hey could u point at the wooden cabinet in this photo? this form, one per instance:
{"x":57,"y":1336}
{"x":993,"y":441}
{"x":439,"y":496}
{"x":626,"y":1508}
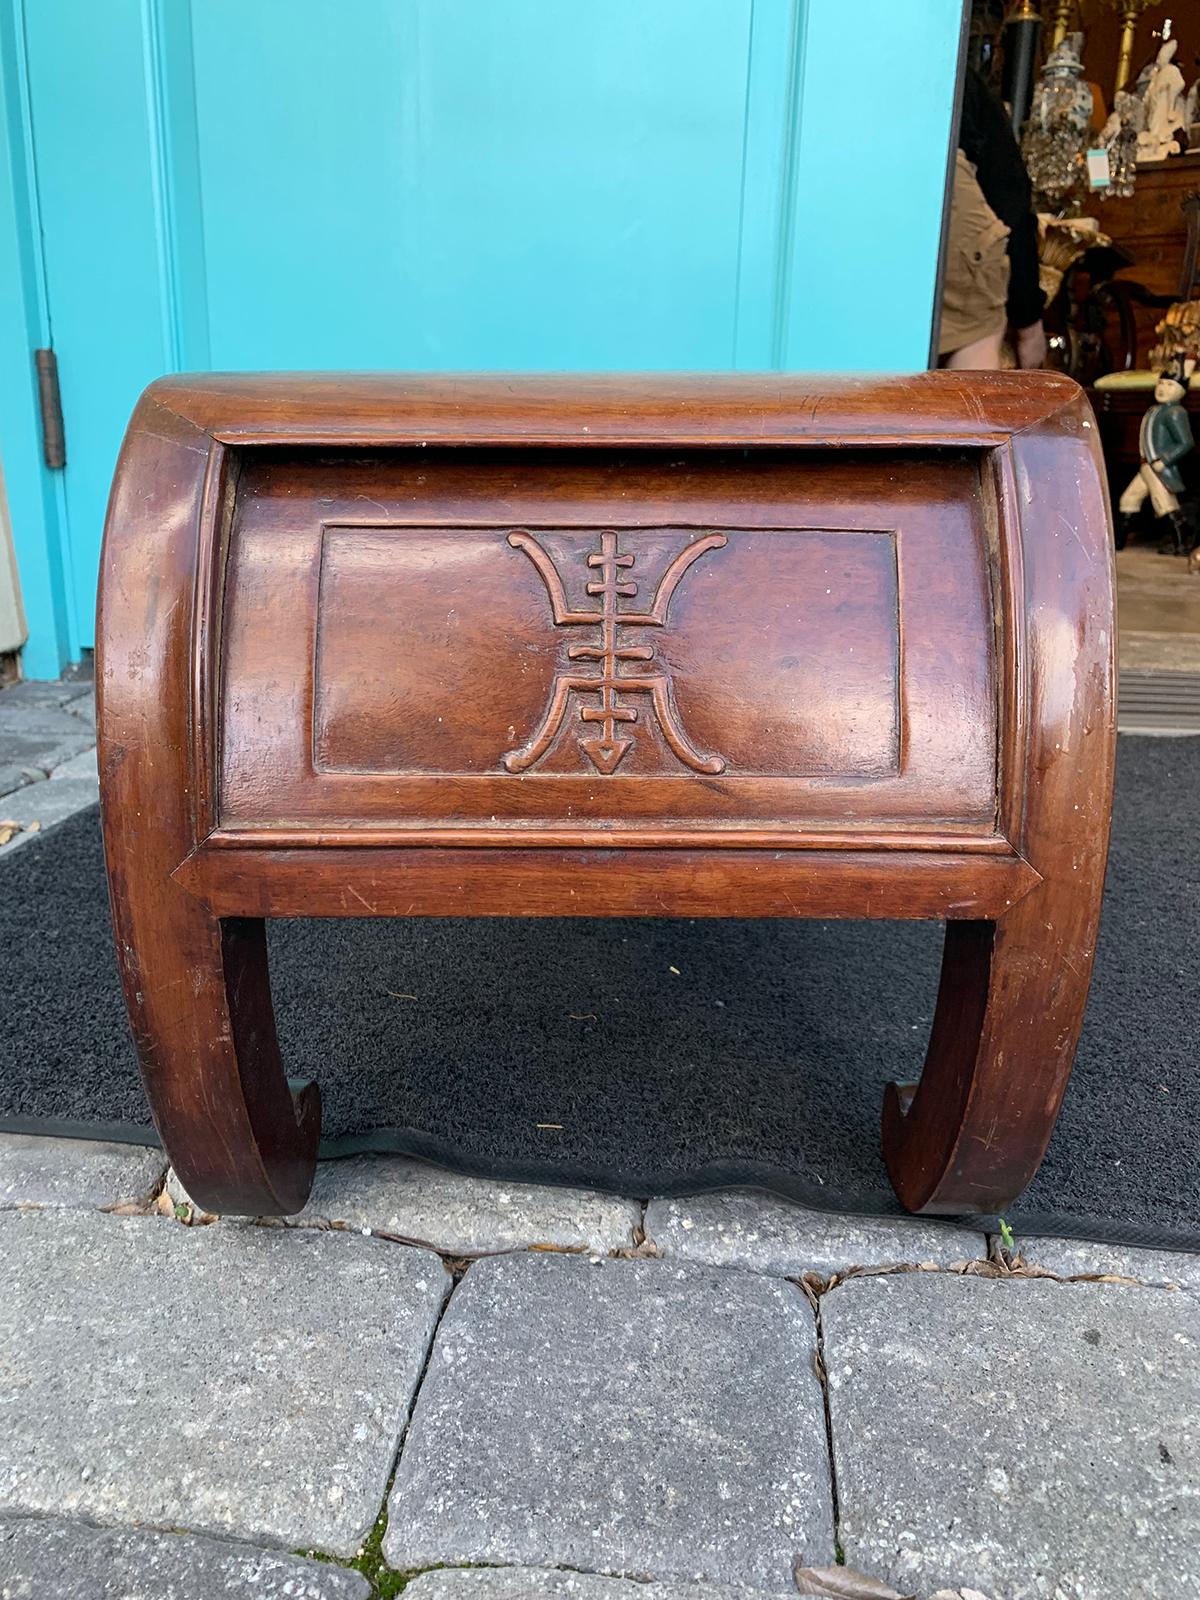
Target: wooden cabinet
{"x":1149,"y":226}
{"x":1150,"y":229}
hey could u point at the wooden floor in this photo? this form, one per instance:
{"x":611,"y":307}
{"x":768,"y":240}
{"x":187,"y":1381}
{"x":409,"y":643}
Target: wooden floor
{"x":1158,"y":612}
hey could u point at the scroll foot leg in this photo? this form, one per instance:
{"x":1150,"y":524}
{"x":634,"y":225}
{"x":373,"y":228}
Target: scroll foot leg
{"x":970,"y":1135}
{"x":241,"y":1137}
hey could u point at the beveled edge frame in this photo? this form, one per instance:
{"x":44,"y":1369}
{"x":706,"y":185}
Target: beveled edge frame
{"x":736,"y":410}
{"x":222,"y":415}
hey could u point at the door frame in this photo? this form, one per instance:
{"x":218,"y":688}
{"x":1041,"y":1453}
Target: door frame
{"x":960,"y":76}
{"x":36,"y":498}
{"x":38,"y":502}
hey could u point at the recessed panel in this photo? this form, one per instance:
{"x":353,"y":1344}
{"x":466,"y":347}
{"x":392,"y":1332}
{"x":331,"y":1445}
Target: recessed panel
{"x":607,"y":653}
{"x":519,"y":644}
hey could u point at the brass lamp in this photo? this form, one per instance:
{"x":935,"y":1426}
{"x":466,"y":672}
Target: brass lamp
{"x":1130,"y":11}
{"x":1060,"y":21}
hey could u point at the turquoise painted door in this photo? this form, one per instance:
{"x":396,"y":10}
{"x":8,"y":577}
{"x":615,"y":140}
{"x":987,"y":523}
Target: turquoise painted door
{"x":444,"y":184}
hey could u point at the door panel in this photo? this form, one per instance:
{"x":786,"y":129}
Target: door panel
{"x":439,"y":184}
{"x":525,"y":185}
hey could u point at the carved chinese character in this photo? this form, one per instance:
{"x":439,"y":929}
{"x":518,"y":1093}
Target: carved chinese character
{"x":606,"y":691}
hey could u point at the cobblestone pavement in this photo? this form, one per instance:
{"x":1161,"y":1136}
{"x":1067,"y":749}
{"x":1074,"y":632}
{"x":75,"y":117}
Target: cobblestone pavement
{"x":519,"y":1392}
{"x":47,"y":757}
{"x":567,"y":1395}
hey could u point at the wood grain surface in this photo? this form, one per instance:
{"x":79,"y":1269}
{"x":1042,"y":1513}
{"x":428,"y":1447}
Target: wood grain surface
{"x":608,"y":646}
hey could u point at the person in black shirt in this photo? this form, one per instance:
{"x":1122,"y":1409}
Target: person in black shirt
{"x":987,"y":141}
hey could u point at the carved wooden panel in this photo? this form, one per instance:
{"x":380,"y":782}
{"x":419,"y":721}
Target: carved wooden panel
{"x":727,"y":646}
{"x":609,"y":651}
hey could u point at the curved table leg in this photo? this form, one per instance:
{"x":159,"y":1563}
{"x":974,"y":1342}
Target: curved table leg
{"x":196,"y":988}
{"x":242,"y":1139}
{"x":970,"y":1135}
{"x":1012,"y":994}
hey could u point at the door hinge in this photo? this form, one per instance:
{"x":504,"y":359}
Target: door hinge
{"x":54,"y":442}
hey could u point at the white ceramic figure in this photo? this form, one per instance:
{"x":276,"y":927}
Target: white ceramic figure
{"x":1164,"y":133}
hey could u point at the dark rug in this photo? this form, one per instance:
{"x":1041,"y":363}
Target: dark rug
{"x":655,"y":1057}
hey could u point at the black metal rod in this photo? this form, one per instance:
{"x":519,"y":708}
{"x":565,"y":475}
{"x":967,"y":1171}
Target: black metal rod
{"x":1020,"y":56}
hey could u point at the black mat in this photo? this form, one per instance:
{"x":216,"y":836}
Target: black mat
{"x":655,"y":1057}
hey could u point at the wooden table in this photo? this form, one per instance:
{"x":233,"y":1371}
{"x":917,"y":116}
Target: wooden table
{"x":765,"y":647}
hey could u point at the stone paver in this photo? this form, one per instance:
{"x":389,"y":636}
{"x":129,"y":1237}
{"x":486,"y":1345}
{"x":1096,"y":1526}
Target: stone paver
{"x":81,"y":766}
{"x":1071,"y":1258}
{"x":13,"y":776}
{"x":41,"y":1556}
{"x":528,"y":1583}
{"x":47,"y":804}
{"x":83,"y":706}
{"x":27,"y":758}
{"x":36,"y":720}
{"x":39,"y":692}
{"x":628,"y":1417}
{"x":36,"y":1171}
{"x":465,"y":1216}
{"x":249,"y":1382}
{"x":767,"y":1233}
{"x":1027,"y":1438}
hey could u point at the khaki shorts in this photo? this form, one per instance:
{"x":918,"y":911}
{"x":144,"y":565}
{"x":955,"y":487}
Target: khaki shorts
{"x":975,"y":291}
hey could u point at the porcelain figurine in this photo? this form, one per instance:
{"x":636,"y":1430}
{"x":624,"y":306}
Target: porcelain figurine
{"x":1165,"y":439}
{"x":1056,"y":132}
{"x":1164,"y":134}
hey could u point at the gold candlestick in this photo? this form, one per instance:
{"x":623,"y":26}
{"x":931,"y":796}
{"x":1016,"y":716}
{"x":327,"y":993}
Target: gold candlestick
{"x":1060,"y":18}
{"x":1130,"y":11}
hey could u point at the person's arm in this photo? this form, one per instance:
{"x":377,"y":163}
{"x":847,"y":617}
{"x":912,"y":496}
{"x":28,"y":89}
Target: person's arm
{"x":1026,"y":302}
{"x":987,"y":140}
